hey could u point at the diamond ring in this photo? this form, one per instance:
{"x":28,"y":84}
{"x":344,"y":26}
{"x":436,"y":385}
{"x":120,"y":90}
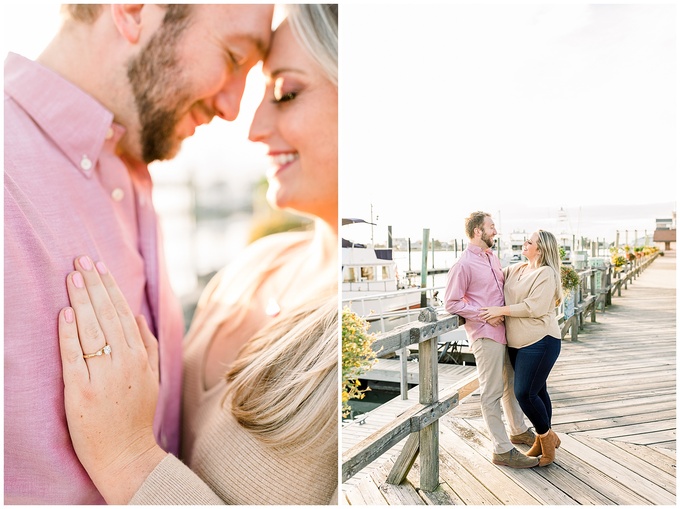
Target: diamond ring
{"x":106,"y":350}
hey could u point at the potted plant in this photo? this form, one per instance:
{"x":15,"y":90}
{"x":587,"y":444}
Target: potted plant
{"x":570,"y":282}
{"x":357,"y":356}
{"x":618,"y":261}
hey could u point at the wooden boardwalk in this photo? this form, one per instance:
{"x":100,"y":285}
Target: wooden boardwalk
{"x":614,"y":400}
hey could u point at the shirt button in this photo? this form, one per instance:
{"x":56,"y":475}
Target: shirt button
{"x":109,"y":133}
{"x":85,"y":163}
{"x":117,"y":194}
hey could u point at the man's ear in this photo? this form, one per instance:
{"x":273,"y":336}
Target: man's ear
{"x":128,"y":20}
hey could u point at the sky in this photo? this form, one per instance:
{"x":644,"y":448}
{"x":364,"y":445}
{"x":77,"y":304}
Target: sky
{"x":517,"y":110}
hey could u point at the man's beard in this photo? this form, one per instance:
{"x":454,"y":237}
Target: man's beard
{"x":488,"y":241}
{"x":156,"y":79}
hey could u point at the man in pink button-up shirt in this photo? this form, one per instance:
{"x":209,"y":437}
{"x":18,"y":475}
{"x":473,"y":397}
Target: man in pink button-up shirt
{"x":476,"y":281}
{"x":118,"y":87}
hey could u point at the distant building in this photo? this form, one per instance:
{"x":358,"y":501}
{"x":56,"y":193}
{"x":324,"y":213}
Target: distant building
{"x":664,"y":235}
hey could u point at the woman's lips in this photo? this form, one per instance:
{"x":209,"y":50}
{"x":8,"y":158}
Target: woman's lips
{"x":280,"y":161}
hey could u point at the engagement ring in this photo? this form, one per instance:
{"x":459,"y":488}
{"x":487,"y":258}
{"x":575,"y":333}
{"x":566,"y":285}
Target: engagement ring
{"x":106,"y":350}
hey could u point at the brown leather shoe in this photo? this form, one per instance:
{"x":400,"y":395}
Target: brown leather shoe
{"x":514,"y":459}
{"x":528,"y":438}
{"x":549,"y":442}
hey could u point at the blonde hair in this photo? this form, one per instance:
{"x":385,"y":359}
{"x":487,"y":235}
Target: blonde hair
{"x":316,"y":28}
{"x":549,"y":254}
{"x":283,"y":386}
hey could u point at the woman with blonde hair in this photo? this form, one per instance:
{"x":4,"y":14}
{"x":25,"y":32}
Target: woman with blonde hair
{"x":260,"y":389}
{"x":532,"y":292}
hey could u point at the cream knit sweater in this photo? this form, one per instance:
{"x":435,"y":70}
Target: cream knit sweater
{"x":531,"y":299}
{"x":224,"y":463}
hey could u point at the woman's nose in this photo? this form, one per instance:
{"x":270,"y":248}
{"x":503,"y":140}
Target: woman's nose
{"x":259,"y":128}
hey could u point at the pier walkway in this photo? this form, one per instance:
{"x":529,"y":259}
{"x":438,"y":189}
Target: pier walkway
{"x":614,"y":406}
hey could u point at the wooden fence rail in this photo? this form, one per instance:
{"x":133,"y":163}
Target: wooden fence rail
{"x":421,"y":423}
{"x":589,"y":298}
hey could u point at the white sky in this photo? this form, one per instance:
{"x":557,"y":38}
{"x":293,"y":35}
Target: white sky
{"x":517,"y":110}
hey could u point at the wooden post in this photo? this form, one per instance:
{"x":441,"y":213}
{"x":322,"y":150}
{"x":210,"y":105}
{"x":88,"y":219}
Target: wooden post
{"x":405,"y":460}
{"x":432,"y":241}
{"x":429,"y":436}
{"x":593,"y":274}
{"x":423,"y":268}
{"x":409,"y":254}
{"x":403,"y":384}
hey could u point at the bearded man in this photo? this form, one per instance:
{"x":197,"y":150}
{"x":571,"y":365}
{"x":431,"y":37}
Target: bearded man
{"x":118,"y":87}
{"x":476,"y":281}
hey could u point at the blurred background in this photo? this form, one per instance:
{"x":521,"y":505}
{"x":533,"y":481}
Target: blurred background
{"x":211,"y":197}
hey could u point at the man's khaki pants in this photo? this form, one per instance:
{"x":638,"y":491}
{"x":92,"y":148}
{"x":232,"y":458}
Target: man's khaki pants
{"x":496,"y":386}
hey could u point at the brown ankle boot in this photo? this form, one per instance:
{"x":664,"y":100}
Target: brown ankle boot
{"x":549,"y":442}
{"x":535,"y":449}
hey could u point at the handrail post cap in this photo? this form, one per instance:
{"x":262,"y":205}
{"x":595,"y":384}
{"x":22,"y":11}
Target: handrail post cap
{"x":427,"y":314}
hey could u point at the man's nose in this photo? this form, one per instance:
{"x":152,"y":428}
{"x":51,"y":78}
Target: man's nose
{"x":227,"y":101}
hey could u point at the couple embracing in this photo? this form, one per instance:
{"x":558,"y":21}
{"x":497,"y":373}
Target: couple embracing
{"x":514,"y":335}
{"x":104,"y":402}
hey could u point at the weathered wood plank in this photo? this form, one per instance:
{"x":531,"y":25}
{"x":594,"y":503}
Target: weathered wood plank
{"x":395,"y":494}
{"x":631,"y":430}
{"x":657,"y":437}
{"x":506,"y":490}
{"x":365,"y":493}
{"x":642,"y":466}
{"x":598,"y":480}
{"x":405,"y":460}
{"x":643,"y":487}
{"x":538,"y":486}
{"x":606,"y":423}
{"x":650,"y":454}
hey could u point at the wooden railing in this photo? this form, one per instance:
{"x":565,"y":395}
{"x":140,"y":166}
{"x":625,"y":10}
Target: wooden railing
{"x":589,"y":298}
{"x":421,"y":422}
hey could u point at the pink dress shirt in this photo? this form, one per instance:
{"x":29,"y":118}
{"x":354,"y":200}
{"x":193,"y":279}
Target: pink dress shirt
{"x":68,"y":194}
{"x":476,"y":281}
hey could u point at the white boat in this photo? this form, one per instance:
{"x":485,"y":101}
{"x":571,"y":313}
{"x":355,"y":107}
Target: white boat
{"x":371,"y":286}
{"x":370,"y":283}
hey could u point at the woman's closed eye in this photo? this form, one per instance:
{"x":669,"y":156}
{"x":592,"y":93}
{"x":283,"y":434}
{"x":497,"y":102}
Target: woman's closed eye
{"x":282,"y":98}
{"x":285,"y":89}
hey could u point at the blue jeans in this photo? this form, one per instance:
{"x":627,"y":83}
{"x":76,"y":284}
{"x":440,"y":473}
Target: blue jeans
{"x":532,"y":365}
